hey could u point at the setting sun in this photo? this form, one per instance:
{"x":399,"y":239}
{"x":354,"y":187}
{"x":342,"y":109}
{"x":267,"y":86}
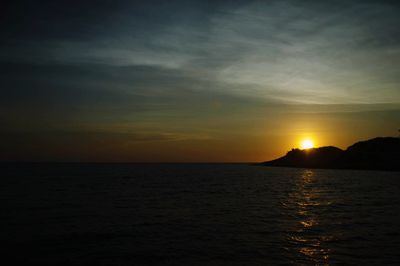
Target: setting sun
{"x":307,"y":144}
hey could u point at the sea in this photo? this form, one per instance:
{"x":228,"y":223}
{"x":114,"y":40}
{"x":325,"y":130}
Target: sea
{"x":197,"y":214}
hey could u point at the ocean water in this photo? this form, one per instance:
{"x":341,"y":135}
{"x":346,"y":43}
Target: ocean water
{"x":197,"y":214}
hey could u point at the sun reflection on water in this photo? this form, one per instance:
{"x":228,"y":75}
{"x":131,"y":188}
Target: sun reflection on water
{"x":305,"y":240}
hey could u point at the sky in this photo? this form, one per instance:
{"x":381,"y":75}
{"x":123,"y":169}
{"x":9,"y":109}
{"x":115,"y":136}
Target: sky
{"x":194,"y":81}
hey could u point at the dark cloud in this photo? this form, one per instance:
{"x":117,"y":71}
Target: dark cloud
{"x":253,"y":46}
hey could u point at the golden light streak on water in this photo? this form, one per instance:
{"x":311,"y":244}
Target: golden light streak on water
{"x":304,"y":240}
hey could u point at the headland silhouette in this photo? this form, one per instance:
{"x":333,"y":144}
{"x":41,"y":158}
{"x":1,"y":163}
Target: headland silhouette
{"x":382,"y":153}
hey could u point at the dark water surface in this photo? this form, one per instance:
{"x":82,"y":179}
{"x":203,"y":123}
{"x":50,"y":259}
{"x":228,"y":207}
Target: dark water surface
{"x":197,"y":214}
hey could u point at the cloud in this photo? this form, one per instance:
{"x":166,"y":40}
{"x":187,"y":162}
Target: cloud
{"x":308,"y":52}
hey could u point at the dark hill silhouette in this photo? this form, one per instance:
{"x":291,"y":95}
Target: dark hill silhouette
{"x":374,"y":154}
